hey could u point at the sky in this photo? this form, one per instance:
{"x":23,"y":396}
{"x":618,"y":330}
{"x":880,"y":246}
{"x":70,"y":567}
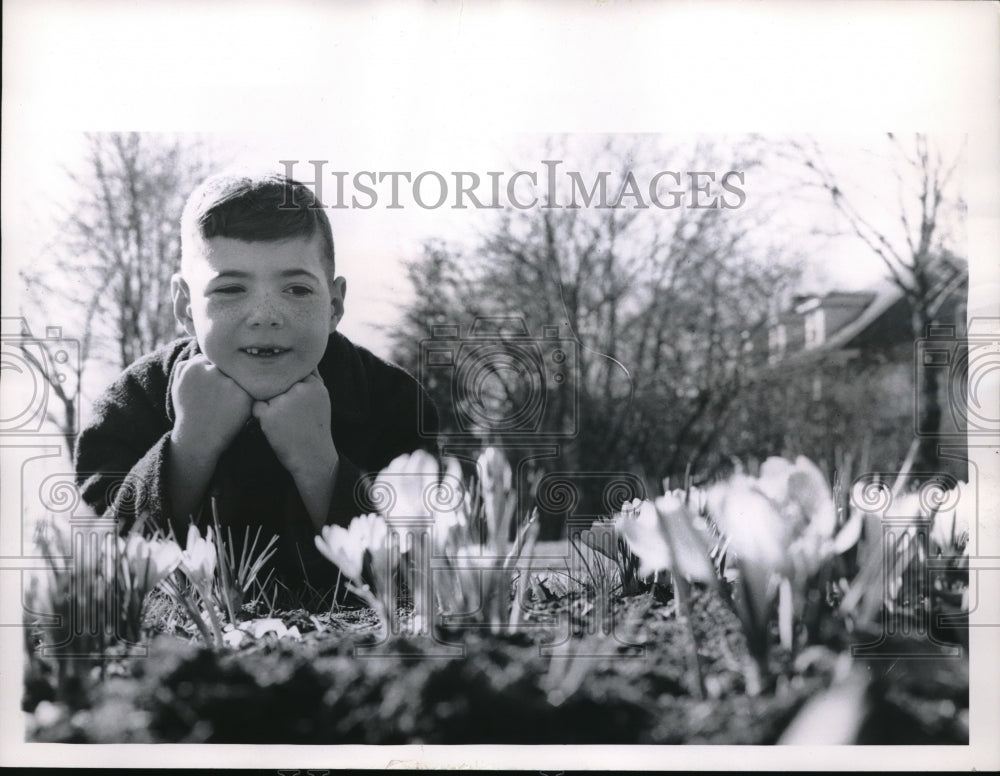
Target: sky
{"x":448,"y":85}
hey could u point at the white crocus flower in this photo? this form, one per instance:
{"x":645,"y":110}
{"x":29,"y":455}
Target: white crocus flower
{"x":150,"y":561}
{"x":494,"y":469}
{"x":784,"y":520}
{"x":450,"y":505}
{"x":751,"y":521}
{"x":418,"y":488}
{"x":495,"y":482}
{"x":690,"y":544}
{"x":781,"y":527}
{"x":345,"y":547}
{"x":695,"y":499}
{"x":406,"y":478}
{"x":336,"y":546}
{"x":199,"y":558}
{"x":657,"y":532}
{"x":640,"y":528}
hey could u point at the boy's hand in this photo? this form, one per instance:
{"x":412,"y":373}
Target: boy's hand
{"x":210,"y":408}
{"x":297,"y":425}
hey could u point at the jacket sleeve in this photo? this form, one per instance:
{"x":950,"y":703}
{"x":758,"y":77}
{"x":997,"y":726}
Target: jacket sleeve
{"x":121,"y":455}
{"x":350,"y":494}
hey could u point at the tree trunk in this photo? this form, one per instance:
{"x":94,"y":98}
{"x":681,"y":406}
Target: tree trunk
{"x":928,"y":403}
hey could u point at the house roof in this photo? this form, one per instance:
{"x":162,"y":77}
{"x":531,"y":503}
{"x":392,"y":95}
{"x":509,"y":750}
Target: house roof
{"x":883,"y":322}
{"x":834,"y":299}
{"x":889,"y":298}
{"x":859,"y":331}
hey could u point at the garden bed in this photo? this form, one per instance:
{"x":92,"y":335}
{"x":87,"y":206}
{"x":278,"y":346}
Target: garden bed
{"x":761,"y":611}
{"x":503,"y":690}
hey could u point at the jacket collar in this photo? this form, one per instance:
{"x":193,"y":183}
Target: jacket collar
{"x":346,"y":379}
{"x":341,"y":369}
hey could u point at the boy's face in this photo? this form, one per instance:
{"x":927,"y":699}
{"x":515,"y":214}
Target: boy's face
{"x":262,"y":311}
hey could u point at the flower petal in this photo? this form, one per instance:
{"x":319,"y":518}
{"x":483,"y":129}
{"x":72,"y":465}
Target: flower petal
{"x":690,"y":546}
{"x":808,"y":489}
{"x":773,"y":479}
{"x":343,"y":549}
{"x":756,"y":530}
{"x":646,"y":538}
{"x":406,"y":478}
{"x":165,"y":556}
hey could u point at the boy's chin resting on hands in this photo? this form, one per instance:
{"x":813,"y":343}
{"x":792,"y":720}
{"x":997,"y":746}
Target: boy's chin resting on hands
{"x":266,"y":372}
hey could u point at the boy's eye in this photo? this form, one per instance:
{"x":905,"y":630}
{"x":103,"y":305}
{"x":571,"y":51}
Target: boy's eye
{"x":227,"y":290}
{"x":299,"y":290}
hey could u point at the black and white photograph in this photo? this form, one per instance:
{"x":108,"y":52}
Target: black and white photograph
{"x":421,"y":385}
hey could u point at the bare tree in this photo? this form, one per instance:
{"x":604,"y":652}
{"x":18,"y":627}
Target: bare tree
{"x":661,"y":303}
{"x":117,"y":245}
{"x":920,"y":262}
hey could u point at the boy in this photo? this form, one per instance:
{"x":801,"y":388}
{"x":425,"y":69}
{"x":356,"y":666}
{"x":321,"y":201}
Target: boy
{"x":264,"y":412}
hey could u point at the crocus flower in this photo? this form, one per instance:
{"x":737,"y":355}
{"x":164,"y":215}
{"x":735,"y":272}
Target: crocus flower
{"x":449,"y":506}
{"x":751,"y":521}
{"x":417,"y":487}
{"x":781,"y":528}
{"x":495,"y":482}
{"x":494,"y":469}
{"x":345,"y":547}
{"x":660,"y":533}
{"x":405,"y":480}
{"x":784,"y":520}
{"x":149,"y":561}
{"x":695,"y":499}
{"x":337,"y":546}
{"x":199,"y":559}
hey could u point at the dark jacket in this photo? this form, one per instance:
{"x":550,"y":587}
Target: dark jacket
{"x":378,"y":411}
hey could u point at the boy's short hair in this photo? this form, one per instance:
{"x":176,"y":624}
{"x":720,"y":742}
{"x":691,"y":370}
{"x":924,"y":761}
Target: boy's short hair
{"x":260,"y":207}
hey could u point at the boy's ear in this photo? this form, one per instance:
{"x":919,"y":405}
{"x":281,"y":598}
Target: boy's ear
{"x":338,"y":290}
{"x":181,"y":295}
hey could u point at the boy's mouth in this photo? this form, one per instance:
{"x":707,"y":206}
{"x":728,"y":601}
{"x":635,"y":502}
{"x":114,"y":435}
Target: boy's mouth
{"x":259,"y":352}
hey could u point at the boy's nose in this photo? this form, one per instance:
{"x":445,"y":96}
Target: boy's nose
{"x":265,"y":314}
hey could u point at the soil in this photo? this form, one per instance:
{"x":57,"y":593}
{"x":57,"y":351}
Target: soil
{"x":637,"y":688}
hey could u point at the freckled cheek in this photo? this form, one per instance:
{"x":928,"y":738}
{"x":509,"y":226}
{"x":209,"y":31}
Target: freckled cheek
{"x":217,"y":329}
{"x":301,"y":317}
{"x":312,"y":318}
{"x":217,"y":321}
{"x":313,"y":327}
